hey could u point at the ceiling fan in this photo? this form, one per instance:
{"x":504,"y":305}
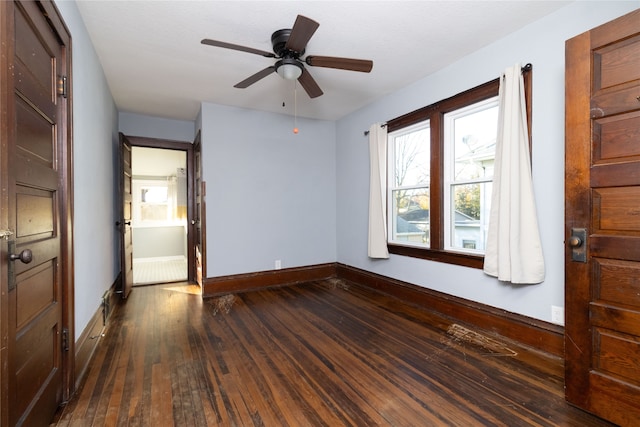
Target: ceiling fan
{"x":288,"y":46}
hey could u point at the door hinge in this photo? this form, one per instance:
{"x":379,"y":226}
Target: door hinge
{"x":62,"y":86}
{"x":65,"y":339}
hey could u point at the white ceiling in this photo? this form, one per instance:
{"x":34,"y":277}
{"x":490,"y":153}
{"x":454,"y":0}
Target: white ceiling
{"x":155,"y":64}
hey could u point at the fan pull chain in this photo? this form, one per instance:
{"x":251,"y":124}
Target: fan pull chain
{"x":295,"y":107}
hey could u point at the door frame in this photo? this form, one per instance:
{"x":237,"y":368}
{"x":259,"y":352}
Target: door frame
{"x":167,"y":144}
{"x":65,"y":158}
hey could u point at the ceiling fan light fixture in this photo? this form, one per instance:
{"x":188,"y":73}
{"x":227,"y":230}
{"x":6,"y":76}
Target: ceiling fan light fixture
{"x":289,"y":69}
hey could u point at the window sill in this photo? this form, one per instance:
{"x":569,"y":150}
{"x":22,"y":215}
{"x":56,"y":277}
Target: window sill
{"x":466,"y":260}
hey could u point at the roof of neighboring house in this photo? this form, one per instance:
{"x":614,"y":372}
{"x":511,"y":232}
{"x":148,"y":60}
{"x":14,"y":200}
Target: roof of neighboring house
{"x":404,"y":226}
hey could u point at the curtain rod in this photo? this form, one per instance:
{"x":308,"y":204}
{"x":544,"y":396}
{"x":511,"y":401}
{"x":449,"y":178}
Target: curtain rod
{"x":382,"y":125}
{"x":527,"y":67}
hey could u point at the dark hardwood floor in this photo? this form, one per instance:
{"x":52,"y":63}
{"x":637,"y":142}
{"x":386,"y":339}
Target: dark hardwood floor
{"x":319,"y":354}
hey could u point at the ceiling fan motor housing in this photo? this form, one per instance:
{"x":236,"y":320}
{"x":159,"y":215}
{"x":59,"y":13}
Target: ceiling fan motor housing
{"x":279,"y":40}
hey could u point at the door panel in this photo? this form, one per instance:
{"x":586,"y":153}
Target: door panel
{"x":35,"y":182}
{"x":618,"y":281}
{"x":615,"y":138}
{"x":602,"y":332}
{"x":126,"y":235}
{"x":36,"y":294}
{"x":34,"y":132}
{"x":616,"y":209}
{"x":200,"y":273}
{"x":616,"y":64}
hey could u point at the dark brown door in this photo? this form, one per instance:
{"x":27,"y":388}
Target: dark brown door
{"x":126,"y":236}
{"x":200,"y":273}
{"x":36,"y":211}
{"x":602,"y":333}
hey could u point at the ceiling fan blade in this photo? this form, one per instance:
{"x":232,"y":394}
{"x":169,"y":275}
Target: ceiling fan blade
{"x":237,"y":47}
{"x":309,"y":84}
{"x":301,"y":33}
{"x":254,"y":78}
{"x":362,"y":65}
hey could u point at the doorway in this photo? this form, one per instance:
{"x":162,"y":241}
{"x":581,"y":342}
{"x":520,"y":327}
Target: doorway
{"x":157,"y":205}
{"x":159,"y":215}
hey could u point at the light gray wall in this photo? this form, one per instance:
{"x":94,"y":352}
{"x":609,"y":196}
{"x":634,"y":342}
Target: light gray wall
{"x":165,"y":241}
{"x":95,"y":137}
{"x":270,"y":194}
{"x":541,"y":43}
{"x":156,"y":127}
{"x":274,"y":195}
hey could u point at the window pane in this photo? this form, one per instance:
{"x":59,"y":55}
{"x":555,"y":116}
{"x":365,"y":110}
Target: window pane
{"x":474,"y":133}
{"x":154,"y":195}
{"x":410,"y":216}
{"x":411,"y":154}
{"x":471,"y":204}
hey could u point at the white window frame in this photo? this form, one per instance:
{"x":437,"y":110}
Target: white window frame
{"x":391,"y":171}
{"x":450,"y":182}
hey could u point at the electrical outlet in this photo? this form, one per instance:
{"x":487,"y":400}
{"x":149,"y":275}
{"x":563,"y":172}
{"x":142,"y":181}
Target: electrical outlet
{"x":557,"y":314}
{"x":278,"y":264}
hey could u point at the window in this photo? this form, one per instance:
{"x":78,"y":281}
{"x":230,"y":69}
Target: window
{"x":469,"y":151}
{"x":409,"y":180}
{"x":154,"y":202}
{"x":440,"y":171}
{"x":158,"y":201}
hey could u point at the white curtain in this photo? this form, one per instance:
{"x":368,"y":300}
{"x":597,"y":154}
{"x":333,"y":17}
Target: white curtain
{"x":377,"y":189}
{"x":513,"y":251}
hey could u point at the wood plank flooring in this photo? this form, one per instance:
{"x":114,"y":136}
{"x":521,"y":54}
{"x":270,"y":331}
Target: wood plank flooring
{"x":318,"y":354}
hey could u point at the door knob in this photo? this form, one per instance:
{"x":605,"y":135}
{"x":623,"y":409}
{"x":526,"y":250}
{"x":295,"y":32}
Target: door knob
{"x":575,"y":241}
{"x":26,"y":256}
{"x":578,"y":243}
